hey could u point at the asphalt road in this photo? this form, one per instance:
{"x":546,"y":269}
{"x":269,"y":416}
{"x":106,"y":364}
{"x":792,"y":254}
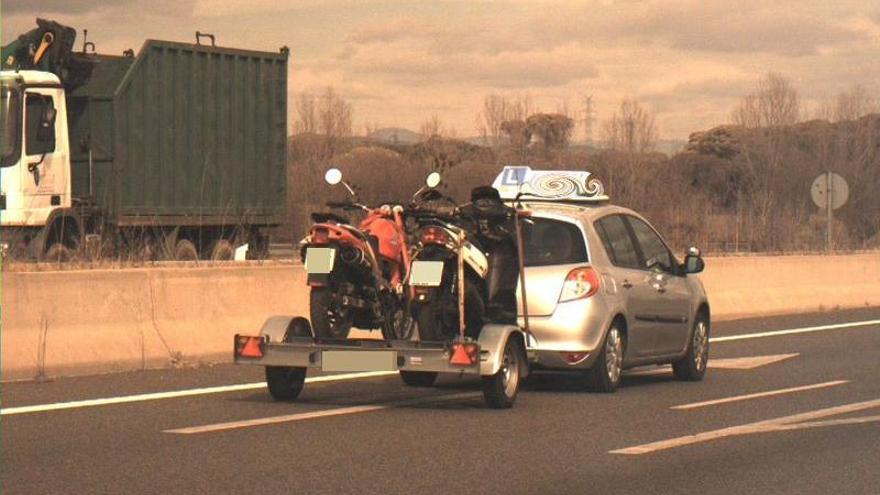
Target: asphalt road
{"x":557,"y":438}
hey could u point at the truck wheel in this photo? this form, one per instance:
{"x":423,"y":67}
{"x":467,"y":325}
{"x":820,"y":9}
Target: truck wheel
{"x":58,"y":253}
{"x":604,"y":376}
{"x":185,"y":250}
{"x":285,"y":383}
{"x":692,"y":367}
{"x":500,"y":389}
{"x":418,"y":378}
{"x":222,"y":250}
{"x":328,"y":321}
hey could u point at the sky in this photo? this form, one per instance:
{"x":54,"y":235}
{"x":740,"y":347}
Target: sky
{"x":401,"y":62}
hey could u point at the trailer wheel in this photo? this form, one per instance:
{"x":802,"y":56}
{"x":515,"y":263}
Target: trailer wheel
{"x":418,"y":378}
{"x":500,"y":389}
{"x":285,"y":383}
{"x":222,"y":250}
{"x":185,"y":250}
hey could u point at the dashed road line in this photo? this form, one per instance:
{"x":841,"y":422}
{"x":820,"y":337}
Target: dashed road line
{"x":179,"y":393}
{"x":795,"y":421}
{"x":757,"y":395}
{"x":325,"y":413}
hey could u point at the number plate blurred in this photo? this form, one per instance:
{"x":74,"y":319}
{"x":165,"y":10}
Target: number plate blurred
{"x":320,"y":260}
{"x":426,"y":273}
{"x":359,"y":361}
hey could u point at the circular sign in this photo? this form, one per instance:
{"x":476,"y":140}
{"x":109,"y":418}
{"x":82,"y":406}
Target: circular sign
{"x":837,"y":190}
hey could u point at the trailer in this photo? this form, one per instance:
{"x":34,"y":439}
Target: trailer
{"x":287,"y":348}
{"x":180,"y":148}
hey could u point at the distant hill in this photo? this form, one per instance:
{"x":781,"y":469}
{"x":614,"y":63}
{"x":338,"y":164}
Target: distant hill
{"x":395,"y":135}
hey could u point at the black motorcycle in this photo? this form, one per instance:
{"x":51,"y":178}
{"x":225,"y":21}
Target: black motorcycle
{"x":471,"y":250}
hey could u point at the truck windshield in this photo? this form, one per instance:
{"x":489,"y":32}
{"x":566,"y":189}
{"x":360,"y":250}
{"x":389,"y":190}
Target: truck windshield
{"x":10,"y":120}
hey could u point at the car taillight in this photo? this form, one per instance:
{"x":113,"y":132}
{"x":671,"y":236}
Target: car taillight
{"x":579,"y":284}
{"x":433,"y":235}
{"x":320,"y":236}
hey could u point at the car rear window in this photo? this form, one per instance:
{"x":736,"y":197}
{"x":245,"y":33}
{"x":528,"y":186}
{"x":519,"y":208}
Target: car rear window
{"x":552,"y":242}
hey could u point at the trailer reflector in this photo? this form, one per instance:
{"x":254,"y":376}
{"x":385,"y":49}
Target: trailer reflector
{"x":249,"y":347}
{"x":465,"y":354}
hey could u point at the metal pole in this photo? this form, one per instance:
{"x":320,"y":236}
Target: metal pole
{"x":461,"y":286}
{"x":829,"y":192}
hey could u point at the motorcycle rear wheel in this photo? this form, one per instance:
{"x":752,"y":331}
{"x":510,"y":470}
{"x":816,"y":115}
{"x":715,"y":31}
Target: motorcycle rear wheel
{"x":328,"y":320}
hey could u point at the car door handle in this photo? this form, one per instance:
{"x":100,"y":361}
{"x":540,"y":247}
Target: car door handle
{"x":627,"y":284}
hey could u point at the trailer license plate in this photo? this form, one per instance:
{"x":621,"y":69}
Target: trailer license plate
{"x":320,"y":260}
{"x":426,"y":273}
{"x":359,"y":361}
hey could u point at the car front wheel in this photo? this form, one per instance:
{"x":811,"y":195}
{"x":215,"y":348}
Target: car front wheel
{"x":692,"y":367}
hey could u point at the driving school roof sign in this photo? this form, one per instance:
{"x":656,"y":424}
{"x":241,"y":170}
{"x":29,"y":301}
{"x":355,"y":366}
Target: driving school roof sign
{"x":558,"y":185}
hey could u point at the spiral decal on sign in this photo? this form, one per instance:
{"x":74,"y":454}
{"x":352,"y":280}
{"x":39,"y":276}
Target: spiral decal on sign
{"x":595,"y":188}
{"x":554,"y":186}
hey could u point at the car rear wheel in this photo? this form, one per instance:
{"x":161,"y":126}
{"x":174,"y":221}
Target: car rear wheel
{"x":692,"y":367}
{"x":604,"y":376}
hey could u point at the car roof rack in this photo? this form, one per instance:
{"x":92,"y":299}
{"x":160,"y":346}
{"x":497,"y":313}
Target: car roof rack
{"x":516,"y":183}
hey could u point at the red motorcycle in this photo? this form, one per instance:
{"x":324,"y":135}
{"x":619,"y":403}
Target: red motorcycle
{"x":356,"y":274}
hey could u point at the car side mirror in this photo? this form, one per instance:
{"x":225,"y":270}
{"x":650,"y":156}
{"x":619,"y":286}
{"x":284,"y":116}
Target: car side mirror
{"x":693,"y":261}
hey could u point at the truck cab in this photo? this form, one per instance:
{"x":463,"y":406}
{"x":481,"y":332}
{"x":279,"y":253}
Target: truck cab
{"x":35,"y":168}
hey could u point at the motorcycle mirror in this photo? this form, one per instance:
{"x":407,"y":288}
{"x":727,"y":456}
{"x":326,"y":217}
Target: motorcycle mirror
{"x":333,"y":176}
{"x":432,"y":180}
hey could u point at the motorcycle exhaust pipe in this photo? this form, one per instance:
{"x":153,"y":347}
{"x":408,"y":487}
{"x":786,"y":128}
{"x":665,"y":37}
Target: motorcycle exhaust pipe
{"x":354,"y":256}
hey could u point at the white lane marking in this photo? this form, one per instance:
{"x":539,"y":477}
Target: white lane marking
{"x":178,"y":393}
{"x":741,"y":363}
{"x":830,"y":422}
{"x":351,"y":376}
{"x":792,"y":331}
{"x":325,"y":413}
{"x":758,"y":427}
{"x":749,"y":363}
{"x":757,"y":395}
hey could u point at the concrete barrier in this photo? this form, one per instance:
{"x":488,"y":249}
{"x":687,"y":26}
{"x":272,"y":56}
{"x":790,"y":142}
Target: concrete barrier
{"x":93,"y":321}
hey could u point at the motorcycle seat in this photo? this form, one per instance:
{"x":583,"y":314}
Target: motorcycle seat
{"x":322,"y":217}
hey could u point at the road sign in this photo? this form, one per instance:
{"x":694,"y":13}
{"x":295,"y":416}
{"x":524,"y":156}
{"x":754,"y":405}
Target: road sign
{"x":838,"y":192}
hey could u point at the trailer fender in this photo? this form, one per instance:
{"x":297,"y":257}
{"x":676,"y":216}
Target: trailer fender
{"x":278,"y":328}
{"x":492,"y":339}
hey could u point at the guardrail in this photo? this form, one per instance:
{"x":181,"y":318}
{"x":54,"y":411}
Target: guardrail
{"x":92,"y":321}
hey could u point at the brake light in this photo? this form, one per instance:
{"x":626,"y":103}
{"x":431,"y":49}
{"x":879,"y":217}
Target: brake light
{"x":320,"y":236}
{"x":465,"y":353}
{"x":433,"y":235}
{"x":249,"y":347}
{"x":580,"y":283}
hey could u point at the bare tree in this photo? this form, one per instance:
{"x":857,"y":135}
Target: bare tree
{"x":632,"y":129}
{"x":773,"y":103}
{"x":498,"y":109}
{"x":431,"y":128}
{"x":855,"y":103}
{"x":306,"y":113}
{"x":334,"y":115}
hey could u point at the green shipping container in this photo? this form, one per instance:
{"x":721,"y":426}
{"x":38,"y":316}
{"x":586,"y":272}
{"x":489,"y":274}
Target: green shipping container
{"x":182,"y":134}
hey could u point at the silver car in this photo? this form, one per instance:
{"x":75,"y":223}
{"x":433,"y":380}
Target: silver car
{"x":605,"y":293}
